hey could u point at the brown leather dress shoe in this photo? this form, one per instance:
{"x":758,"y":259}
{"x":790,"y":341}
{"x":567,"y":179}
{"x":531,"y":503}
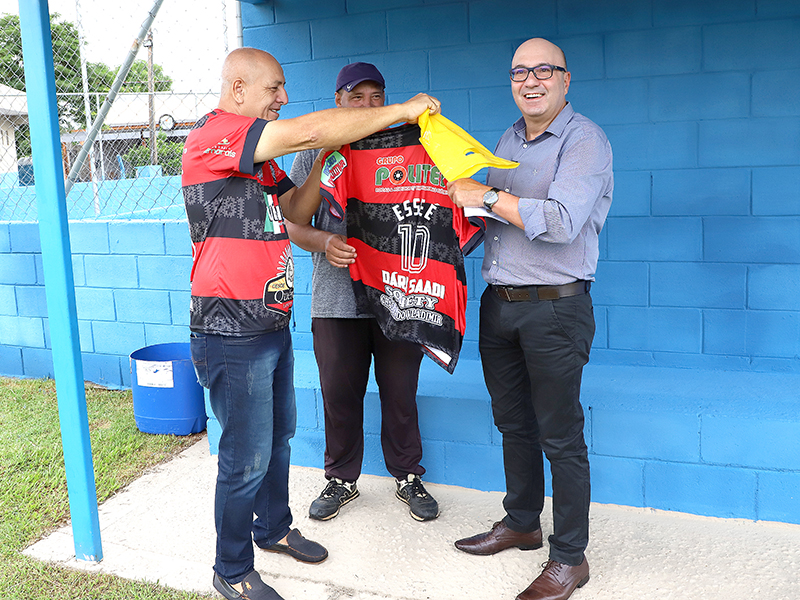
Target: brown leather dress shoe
{"x":557,"y":581}
{"x":500,"y":538}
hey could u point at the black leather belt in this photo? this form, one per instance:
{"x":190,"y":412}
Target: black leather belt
{"x":541,"y":292}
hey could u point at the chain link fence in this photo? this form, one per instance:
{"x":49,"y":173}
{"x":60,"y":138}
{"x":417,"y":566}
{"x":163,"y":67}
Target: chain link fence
{"x":132,"y":170}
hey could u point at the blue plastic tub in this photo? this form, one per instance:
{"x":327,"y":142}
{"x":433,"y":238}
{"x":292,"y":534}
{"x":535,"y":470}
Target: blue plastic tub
{"x":167,"y":398}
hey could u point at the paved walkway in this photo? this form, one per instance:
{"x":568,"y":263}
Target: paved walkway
{"x":161,"y":529}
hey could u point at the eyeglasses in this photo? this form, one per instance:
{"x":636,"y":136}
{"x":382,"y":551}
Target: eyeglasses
{"x":540,"y":72}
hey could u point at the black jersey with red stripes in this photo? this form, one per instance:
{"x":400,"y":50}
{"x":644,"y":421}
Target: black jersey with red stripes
{"x":409,"y":237}
{"x":242,"y":269}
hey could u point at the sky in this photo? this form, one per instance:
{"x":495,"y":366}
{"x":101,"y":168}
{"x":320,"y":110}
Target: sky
{"x":188,"y":35}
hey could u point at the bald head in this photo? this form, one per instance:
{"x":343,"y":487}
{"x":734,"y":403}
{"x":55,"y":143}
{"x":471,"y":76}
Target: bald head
{"x":540,"y":100}
{"x":540,"y":47}
{"x":245,"y":64}
{"x":252,"y":84}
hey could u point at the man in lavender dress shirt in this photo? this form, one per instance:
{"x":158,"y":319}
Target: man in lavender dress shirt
{"x":537,"y":324}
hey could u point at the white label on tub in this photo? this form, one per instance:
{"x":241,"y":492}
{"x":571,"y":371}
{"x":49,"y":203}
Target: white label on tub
{"x":157,"y":374}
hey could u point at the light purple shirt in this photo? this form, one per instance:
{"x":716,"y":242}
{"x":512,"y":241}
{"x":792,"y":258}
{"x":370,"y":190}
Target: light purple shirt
{"x":564,"y":183}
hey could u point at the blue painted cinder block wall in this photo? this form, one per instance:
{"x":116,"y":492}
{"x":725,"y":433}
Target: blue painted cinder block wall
{"x":694,"y":370}
{"x":690,"y":394}
{"x":713,"y":442}
{"x":131,"y":290}
{"x":698,"y":100}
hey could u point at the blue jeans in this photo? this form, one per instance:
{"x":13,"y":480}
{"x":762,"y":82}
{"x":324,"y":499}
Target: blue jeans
{"x":251,"y":388}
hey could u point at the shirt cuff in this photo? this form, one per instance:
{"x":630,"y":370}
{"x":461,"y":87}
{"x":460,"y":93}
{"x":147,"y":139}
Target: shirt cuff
{"x":531,"y":211}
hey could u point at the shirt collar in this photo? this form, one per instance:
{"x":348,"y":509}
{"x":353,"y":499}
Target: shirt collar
{"x":556,"y":128}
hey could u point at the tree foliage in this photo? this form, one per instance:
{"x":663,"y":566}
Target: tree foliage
{"x":170,"y":154}
{"x":67,"y":67}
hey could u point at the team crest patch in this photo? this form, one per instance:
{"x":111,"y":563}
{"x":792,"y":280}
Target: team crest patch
{"x":279,"y":291}
{"x":333,"y":168}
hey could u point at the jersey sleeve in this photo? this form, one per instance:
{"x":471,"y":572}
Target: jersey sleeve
{"x":232,"y":145}
{"x":470,"y":230}
{"x":221,"y":145}
{"x":277,"y":177}
{"x":332,"y":186}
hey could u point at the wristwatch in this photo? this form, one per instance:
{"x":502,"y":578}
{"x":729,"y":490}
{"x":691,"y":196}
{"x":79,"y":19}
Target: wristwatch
{"x":490,"y":198}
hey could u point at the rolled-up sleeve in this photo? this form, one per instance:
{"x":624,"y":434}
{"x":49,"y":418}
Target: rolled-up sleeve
{"x":531,"y":211}
{"x":582,"y":176}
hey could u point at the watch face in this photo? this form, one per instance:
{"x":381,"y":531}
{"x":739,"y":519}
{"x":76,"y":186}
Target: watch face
{"x":490,"y":199}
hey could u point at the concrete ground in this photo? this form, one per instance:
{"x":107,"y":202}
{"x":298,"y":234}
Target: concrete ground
{"x":161,"y":529}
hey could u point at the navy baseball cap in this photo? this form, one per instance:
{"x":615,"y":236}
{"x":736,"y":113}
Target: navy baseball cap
{"x":354,"y":73}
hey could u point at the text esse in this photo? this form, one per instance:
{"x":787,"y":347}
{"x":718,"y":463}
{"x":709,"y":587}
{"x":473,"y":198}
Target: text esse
{"x":414,"y":208}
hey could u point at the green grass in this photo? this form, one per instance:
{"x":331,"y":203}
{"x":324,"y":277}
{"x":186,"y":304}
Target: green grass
{"x":33,"y":487}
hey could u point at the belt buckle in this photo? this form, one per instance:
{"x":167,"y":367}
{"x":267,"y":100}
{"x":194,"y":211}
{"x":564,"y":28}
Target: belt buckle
{"x":503,"y":292}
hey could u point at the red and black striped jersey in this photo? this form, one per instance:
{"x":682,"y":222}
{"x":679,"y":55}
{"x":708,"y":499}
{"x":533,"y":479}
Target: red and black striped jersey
{"x":409,"y":237}
{"x":242,"y":269}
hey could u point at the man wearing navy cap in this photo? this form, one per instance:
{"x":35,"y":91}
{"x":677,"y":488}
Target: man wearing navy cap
{"x":345,"y":342}
{"x":356,"y":73}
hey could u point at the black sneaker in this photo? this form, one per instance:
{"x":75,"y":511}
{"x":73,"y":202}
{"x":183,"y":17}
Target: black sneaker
{"x":335,"y":495}
{"x":422,"y":505}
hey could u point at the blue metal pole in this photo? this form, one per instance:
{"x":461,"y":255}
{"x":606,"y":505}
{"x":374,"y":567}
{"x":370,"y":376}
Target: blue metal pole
{"x":37,"y":51}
